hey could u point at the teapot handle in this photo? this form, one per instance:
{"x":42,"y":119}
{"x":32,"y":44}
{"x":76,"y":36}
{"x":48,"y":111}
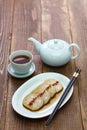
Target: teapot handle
{"x":77,"y":48}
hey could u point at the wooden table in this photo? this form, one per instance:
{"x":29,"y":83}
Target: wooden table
{"x":43,"y":20}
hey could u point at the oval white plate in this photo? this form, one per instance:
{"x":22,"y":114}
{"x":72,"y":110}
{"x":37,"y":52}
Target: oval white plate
{"x":31,"y":84}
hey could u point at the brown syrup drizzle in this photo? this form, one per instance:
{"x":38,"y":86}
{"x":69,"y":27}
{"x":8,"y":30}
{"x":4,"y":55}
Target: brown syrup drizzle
{"x":31,"y":102}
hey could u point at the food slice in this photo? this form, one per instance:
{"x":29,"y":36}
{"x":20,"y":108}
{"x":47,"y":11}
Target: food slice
{"x":42,"y":94}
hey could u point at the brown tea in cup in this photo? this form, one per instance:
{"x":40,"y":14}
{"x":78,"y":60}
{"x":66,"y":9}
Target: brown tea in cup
{"x":21,"y":59}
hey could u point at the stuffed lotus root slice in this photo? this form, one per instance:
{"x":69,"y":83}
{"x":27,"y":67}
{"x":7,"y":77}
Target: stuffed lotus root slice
{"x":37,"y":104}
{"x":28,"y":100}
{"x":46,"y":97}
{"x":59,"y":87}
{"x":52,"y":90}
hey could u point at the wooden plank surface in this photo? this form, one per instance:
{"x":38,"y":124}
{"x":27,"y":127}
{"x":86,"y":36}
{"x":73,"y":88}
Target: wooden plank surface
{"x":6,"y":13}
{"x":26,"y":23}
{"x":79,"y":32}
{"x":43,"y":20}
{"x":56,"y":19}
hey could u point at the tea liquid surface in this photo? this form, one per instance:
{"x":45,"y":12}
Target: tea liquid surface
{"x":21,"y":59}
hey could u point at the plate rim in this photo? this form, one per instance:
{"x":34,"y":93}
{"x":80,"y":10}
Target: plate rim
{"x":28,"y":81}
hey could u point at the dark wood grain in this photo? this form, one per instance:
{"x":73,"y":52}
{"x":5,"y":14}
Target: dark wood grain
{"x":26,"y":23}
{"x":79,"y":30}
{"x":57,"y":22}
{"x":6,"y":13}
{"x":43,"y":20}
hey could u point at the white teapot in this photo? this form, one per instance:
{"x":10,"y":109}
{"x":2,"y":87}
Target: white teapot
{"x":55,"y":52}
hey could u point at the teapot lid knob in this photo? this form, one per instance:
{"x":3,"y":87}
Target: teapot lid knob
{"x":55,"y":44}
{"x":55,"y":41}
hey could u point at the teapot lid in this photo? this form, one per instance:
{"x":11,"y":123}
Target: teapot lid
{"x":55,"y":44}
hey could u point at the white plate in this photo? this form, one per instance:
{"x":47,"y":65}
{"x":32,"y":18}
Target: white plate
{"x":11,"y":71}
{"x":31,"y":84}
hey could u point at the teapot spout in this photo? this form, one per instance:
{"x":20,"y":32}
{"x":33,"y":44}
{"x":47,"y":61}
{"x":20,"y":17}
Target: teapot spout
{"x":36,"y":43}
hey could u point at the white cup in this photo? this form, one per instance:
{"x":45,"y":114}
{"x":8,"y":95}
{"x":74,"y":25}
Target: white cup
{"x":21,"y":67}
